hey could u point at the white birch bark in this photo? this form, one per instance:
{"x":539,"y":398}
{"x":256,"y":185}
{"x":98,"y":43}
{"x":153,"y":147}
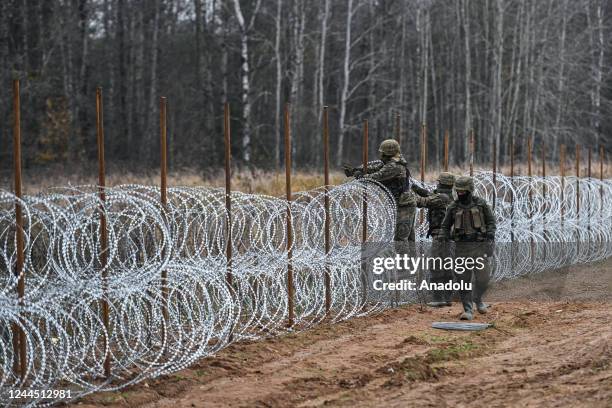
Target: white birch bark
{"x":468,"y":70}
{"x":345,"y":83}
{"x":321,"y":64}
{"x":497,"y":73}
{"x":245,"y":29}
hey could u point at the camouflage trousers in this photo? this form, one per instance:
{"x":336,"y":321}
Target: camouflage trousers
{"x":440,"y":275}
{"x":478,"y":277}
{"x":406,"y":210}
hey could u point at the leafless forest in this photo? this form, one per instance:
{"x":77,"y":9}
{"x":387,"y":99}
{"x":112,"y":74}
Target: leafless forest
{"x":504,"y":68}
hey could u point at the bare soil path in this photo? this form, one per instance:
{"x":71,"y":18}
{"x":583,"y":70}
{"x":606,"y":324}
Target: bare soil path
{"x":540,"y":353}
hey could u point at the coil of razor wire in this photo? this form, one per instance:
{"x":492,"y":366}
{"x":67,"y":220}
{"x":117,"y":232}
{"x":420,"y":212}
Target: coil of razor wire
{"x":163,"y":274}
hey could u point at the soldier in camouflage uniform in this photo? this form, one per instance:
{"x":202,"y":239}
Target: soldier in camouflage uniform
{"x":436,"y":202}
{"x":392,"y":172}
{"x":470,"y":223}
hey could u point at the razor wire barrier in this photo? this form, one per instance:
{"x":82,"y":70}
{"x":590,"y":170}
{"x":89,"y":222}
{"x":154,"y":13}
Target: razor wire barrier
{"x":67,"y":281}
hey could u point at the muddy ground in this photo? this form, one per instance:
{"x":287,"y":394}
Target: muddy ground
{"x":547,"y":348}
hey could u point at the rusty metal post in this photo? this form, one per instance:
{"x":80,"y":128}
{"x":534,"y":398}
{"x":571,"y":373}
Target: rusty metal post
{"x":578,"y":181}
{"x":364,"y":216}
{"x":529,"y":174}
{"x":103,"y":226}
{"x":530,"y":193}
{"x":163,"y":153}
{"x":19,"y":342}
{"x":472,"y":149}
{"x":545,"y":207}
{"x":290,"y":289}
{"x":578,"y":147}
{"x":398,"y":128}
{"x":544,"y":184}
{"x":562,"y":171}
{"x":364,"y":232}
{"x":423,"y":152}
{"x":601,"y":177}
{"x":163,"y":190}
{"x":446,"y":150}
{"x":228,"y":191}
{"x":327,"y":227}
{"x":589,"y":174}
{"x":512,"y":190}
{"x":494,"y":171}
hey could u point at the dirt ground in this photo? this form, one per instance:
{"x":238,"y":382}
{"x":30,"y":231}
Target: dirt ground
{"x":541,"y":352}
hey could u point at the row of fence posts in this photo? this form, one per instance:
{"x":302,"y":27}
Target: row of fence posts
{"x":19,"y":341}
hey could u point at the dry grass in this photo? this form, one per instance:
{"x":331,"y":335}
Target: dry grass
{"x":260,"y":182}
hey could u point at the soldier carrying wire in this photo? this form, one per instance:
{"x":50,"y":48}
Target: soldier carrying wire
{"x":392,"y":172}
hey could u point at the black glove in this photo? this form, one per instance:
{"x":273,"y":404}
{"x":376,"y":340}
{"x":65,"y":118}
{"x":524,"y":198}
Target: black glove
{"x":440,"y":237}
{"x":348,"y":170}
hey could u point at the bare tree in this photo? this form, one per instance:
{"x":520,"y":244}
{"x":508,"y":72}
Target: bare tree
{"x":345,"y":82}
{"x":279,"y":82}
{"x":245,"y":29}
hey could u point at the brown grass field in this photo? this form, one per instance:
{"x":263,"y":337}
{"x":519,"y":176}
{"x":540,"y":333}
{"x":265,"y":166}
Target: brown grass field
{"x":257,"y":181}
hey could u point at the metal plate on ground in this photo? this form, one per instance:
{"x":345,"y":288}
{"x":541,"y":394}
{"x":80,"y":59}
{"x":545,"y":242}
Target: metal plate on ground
{"x":460,"y":326}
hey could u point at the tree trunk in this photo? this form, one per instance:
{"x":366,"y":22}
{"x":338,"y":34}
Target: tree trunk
{"x":153,"y":96}
{"x":321,"y":62}
{"x":245,"y":75}
{"x":279,"y":84}
{"x":297,"y":74}
{"x":468,"y":71}
{"x":497,"y":75}
{"x":345,"y":82}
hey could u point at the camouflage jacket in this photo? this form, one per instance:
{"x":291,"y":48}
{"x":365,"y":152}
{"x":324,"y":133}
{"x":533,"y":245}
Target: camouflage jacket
{"x":469,"y":222}
{"x":436,"y":203}
{"x":393,"y":174}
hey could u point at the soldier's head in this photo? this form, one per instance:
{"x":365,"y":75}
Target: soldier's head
{"x":389,"y":149}
{"x":446,"y":180}
{"x":464,"y":187}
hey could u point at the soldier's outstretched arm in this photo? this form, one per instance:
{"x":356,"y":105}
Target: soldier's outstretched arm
{"x":386,"y":172}
{"x":373,"y":166}
{"x":431,"y":201}
{"x":420,"y":190}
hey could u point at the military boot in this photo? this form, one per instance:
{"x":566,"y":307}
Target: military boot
{"x":467,"y":311}
{"x":482,"y":307}
{"x":447,"y":296}
{"x":436,"y":301}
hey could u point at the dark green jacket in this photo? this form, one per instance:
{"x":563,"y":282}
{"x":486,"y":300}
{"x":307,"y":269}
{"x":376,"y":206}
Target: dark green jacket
{"x":468,"y":222}
{"x":392,"y":174}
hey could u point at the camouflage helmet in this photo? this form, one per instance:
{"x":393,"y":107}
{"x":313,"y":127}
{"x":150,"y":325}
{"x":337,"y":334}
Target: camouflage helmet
{"x":464,"y":183}
{"x":447,"y":179}
{"x":389,"y":147}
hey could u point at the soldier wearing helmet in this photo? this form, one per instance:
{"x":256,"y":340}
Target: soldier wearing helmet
{"x":470,"y":223}
{"x":436,"y":202}
{"x":392,"y":172}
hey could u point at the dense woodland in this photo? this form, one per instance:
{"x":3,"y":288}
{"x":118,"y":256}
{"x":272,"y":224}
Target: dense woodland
{"x":504,"y":68}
